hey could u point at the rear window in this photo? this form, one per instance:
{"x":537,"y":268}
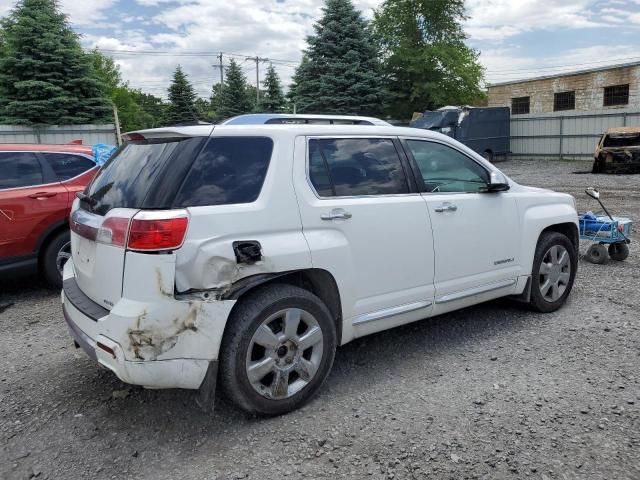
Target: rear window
{"x":228,"y":170}
{"x":129,"y":175}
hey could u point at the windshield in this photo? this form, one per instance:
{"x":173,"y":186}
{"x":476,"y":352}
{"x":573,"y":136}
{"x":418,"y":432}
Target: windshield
{"x":630,"y":140}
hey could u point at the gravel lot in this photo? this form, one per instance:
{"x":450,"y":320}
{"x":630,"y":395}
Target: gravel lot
{"x":493,"y":391}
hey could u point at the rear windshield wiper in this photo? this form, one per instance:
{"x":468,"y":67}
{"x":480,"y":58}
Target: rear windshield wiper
{"x":86,"y":198}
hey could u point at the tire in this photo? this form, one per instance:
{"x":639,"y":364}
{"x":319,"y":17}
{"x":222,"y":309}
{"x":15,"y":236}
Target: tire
{"x":597,"y":254}
{"x":618,"y":251}
{"x":256,"y":336}
{"x":54,"y":256}
{"x":488,"y":155}
{"x":551,"y":283}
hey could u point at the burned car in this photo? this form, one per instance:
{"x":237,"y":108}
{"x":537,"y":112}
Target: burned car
{"x":618,"y":151}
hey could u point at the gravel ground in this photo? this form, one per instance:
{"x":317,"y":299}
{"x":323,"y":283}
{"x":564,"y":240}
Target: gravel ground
{"x":492,"y":391}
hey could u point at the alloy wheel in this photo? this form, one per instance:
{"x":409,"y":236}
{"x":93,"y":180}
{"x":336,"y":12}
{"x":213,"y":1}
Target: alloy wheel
{"x":284,"y":353}
{"x":554,"y":273}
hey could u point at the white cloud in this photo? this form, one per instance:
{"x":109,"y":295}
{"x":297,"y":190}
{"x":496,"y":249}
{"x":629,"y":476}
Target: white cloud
{"x":506,"y":64}
{"x":277,"y":30}
{"x":500,"y":19}
{"x":81,"y":12}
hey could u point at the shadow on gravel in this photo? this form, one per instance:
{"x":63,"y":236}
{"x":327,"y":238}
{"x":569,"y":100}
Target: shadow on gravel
{"x":371,"y":359}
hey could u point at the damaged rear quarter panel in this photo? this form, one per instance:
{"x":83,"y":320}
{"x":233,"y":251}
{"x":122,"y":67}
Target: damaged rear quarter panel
{"x":207,"y":260}
{"x":150,"y":324}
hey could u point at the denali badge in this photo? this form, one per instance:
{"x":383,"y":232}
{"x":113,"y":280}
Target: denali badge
{"x":500,"y":262}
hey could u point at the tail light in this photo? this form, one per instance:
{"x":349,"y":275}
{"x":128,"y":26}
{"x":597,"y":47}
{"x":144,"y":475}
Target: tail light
{"x":113,"y":231}
{"x":157,"y":234}
{"x":147,"y":231}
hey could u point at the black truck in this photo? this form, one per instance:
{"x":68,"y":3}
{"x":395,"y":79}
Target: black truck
{"x":483,"y":129}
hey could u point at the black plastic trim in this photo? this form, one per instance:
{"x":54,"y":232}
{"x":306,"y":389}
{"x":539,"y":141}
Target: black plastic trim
{"x":78,"y":299}
{"x":23,"y":265}
{"x":81,"y":339}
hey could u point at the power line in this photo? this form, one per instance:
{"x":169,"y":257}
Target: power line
{"x":551,"y":67}
{"x":190,"y":54}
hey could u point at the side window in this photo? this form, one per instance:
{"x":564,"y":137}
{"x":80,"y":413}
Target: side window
{"x":356,"y":166}
{"x":444,"y":169}
{"x":228,"y":170}
{"x":68,"y":166}
{"x":19,"y":169}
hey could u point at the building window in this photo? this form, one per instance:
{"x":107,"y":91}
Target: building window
{"x":616,"y":95}
{"x":519,"y":105}
{"x":564,"y":101}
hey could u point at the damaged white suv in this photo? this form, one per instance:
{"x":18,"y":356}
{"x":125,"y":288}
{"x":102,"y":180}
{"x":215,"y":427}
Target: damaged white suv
{"x":244,"y":255}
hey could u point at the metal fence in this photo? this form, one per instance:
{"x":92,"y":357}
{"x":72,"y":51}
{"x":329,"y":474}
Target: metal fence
{"x":558,"y":135}
{"x":59,"y":134}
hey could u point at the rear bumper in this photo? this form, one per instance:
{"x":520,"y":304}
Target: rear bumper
{"x":143,"y":342}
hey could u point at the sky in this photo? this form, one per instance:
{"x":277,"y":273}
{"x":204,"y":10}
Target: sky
{"x":515,"y":38}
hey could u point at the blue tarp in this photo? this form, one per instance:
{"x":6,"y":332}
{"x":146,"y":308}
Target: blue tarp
{"x":102,"y":152}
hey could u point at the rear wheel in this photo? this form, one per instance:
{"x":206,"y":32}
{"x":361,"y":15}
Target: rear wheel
{"x":597,"y":254}
{"x":55,"y":255}
{"x":277,"y":351}
{"x":618,"y":251}
{"x":554,"y":269}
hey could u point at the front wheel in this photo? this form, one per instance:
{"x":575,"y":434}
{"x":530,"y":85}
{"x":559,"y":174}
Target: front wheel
{"x":554,"y":269}
{"x":278,"y":349}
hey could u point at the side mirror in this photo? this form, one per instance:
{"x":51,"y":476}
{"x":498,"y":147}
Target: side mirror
{"x":497,"y":182}
{"x":593,"y":192}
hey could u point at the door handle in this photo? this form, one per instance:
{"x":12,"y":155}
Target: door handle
{"x":446,"y":207}
{"x":40,"y":195}
{"x":336,"y":213}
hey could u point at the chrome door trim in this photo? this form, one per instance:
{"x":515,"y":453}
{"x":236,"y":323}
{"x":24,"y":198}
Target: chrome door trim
{"x":390,"y":312}
{"x":476,"y":291}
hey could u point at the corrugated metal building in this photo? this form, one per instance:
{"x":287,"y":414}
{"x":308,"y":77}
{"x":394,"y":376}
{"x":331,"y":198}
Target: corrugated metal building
{"x":604,"y":88}
{"x":564,"y":115}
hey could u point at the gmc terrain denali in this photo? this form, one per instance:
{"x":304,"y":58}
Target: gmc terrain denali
{"x":243,"y":255}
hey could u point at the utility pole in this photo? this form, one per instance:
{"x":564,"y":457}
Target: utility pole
{"x":258,"y":60}
{"x":221,"y":69}
{"x":257,"y":81}
{"x":117,"y":122}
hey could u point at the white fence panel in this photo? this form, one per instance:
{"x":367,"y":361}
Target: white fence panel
{"x":59,"y":134}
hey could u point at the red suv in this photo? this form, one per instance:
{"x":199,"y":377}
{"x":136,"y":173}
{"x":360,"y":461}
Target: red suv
{"x":38,"y":183}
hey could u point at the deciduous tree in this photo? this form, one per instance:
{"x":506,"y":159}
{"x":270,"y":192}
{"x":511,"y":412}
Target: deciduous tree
{"x":426,"y":61}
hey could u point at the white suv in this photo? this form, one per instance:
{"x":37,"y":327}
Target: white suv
{"x":245,"y":255}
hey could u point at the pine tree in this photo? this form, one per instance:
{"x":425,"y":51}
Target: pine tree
{"x":342,"y":75}
{"x":181,"y":99}
{"x":233,"y":99}
{"x":272,"y":100}
{"x":296,"y":93}
{"x":45,"y":77}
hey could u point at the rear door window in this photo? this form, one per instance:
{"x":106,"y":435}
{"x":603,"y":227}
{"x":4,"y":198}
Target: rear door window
{"x":355,"y":167}
{"x":67,"y":166}
{"x":19,"y":169}
{"x":229,"y":170}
